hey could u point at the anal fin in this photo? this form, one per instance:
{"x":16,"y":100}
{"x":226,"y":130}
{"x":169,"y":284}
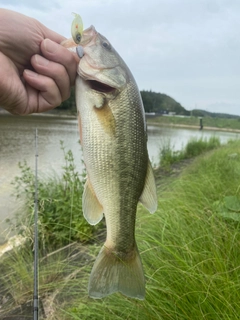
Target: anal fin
{"x":149,"y":194}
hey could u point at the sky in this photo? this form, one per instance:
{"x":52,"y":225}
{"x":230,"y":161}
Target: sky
{"x":187,"y":49}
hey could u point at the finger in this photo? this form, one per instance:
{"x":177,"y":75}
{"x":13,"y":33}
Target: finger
{"x":55,"y":71}
{"x":50,"y":34}
{"x":43,"y":93}
{"x":12,"y":92}
{"x":59,"y":54}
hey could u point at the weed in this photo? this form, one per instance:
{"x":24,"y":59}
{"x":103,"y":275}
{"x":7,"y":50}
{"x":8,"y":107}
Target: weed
{"x":190,"y":252}
{"x":189,"y":249}
{"x":60,"y":206}
{"x":193,"y":148}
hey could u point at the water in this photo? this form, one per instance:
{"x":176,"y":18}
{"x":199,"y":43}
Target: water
{"x":178,"y":138}
{"x":17,"y":143}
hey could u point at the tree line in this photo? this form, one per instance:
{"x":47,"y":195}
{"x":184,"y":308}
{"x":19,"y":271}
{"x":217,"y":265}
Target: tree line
{"x":153,"y":102}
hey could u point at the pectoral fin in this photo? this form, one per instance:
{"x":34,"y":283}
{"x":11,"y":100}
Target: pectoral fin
{"x":149,"y":194}
{"x":92,"y":209}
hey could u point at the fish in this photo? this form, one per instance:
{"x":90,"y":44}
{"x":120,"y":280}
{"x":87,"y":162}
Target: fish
{"x":113,"y":135}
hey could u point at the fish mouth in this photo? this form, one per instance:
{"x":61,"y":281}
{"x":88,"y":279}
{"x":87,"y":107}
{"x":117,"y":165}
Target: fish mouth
{"x":100,"y":86}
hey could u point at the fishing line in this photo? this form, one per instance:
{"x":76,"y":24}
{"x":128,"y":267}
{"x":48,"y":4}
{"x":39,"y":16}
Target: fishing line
{"x":35,"y":291}
{"x":72,"y":190}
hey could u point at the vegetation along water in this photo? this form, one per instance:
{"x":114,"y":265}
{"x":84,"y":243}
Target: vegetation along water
{"x":189,"y":247}
{"x":225,"y":124}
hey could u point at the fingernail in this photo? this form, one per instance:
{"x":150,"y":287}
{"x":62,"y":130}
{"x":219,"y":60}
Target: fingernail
{"x":50,"y":46}
{"x":31,"y":73}
{"x":41,"y":61}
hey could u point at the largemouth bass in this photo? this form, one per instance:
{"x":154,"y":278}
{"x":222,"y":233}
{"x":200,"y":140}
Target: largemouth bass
{"x":119,"y":174}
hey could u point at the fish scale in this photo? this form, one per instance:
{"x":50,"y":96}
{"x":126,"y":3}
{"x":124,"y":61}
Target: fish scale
{"x":119,"y":173}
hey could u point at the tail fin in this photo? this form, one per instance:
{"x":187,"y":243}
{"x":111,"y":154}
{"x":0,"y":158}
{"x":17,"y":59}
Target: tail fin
{"x":111,"y":274}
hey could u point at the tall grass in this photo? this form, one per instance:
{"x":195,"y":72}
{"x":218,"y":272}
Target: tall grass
{"x":61,"y":223}
{"x":58,"y":272}
{"x":193,"y":148}
{"x":59,"y":206}
{"x":190,"y":253}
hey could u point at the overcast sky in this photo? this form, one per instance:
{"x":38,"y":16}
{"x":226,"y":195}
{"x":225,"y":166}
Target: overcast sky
{"x":188,"y":49}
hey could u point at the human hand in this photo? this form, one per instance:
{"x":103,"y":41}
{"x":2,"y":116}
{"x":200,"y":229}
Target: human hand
{"x":36,"y":72}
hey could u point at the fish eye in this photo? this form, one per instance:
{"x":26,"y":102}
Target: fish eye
{"x":106,"y":45}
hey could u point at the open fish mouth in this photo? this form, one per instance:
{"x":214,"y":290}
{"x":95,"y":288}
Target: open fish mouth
{"x":100,"y":87}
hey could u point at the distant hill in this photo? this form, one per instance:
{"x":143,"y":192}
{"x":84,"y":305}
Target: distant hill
{"x":203,"y":113}
{"x":161,"y":103}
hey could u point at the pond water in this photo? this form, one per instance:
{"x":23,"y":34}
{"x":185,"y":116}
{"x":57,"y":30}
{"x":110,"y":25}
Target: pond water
{"x":17,"y":143}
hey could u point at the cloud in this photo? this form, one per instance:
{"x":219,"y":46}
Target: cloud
{"x":34,"y":5}
{"x":187,"y":49}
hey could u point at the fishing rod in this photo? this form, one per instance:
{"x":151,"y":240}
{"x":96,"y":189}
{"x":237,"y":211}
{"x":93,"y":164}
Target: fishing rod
{"x":35,"y":291}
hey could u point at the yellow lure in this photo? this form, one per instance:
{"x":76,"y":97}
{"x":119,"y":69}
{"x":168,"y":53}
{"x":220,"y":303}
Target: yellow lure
{"x":77,"y":28}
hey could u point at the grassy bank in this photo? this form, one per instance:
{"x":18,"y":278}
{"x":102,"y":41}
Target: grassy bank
{"x":220,"y":123}
{"x":189,"y":247}
{"x":193,"y":148}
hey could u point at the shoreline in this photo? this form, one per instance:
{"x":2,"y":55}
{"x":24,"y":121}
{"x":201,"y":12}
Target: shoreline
{"x":187,"y":126}
{"x":4,"y":113}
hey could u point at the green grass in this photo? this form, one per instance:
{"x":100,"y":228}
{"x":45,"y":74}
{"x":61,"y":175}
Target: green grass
{"x":221,"y":123}
{"x":193,"y":148}
{"x":59,"y":206}
{"x":190,"y":250}
{"x":190,"y":253}
{"x":58,"y":271}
